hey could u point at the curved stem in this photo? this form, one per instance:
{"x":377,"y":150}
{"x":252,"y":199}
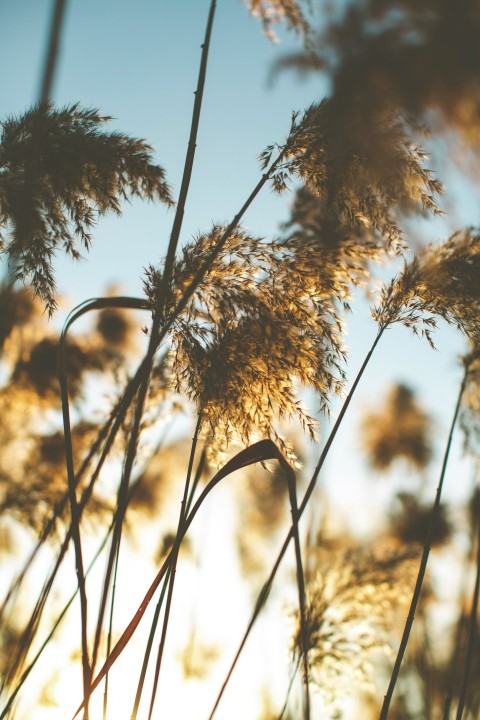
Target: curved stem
{"x":74,"y":508}
{"x":423,"y":562}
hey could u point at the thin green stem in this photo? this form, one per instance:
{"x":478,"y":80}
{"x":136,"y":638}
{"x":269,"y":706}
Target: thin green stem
{"x":110,"y":629}
{"x":289,"y":689}
{"x":423,"y":562}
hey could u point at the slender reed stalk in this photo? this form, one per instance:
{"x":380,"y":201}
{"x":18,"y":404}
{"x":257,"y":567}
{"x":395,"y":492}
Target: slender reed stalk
{"x":148,"y":649}
{"x":153,"y":628}
{"x":424,"y":560}
{"x":189,"y":159}
{"x":472,"y":635}
{"x":75,"y":525}
{"x":173,"y":565}
{"x":265,"y":591}
{"x":289,"y":690}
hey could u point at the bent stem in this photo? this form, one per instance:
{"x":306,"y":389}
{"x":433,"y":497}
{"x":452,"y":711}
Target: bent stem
{"x":423,"y":562}
{"x":75,"y":510}
{"x":265,"y":591}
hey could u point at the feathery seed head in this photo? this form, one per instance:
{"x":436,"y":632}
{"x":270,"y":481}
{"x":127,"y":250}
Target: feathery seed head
{"x":441,"y":281}
{"x":257,"y":326}
{"x":59,"y":170}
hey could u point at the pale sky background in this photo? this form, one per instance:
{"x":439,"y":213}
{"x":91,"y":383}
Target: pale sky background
{"x":138,"y":62}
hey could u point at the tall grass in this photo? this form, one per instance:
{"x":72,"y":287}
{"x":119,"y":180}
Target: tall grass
{"x":239,"y":327}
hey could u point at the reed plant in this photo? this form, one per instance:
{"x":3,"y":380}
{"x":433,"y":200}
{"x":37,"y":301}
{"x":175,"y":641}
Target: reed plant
{"x":239,"y":331}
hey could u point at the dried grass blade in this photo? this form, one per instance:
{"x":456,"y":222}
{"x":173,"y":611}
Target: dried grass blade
{"x":259,"y":452}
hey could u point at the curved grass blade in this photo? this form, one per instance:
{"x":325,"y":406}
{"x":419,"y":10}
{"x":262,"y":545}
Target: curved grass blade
{"x":259,"y":452}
